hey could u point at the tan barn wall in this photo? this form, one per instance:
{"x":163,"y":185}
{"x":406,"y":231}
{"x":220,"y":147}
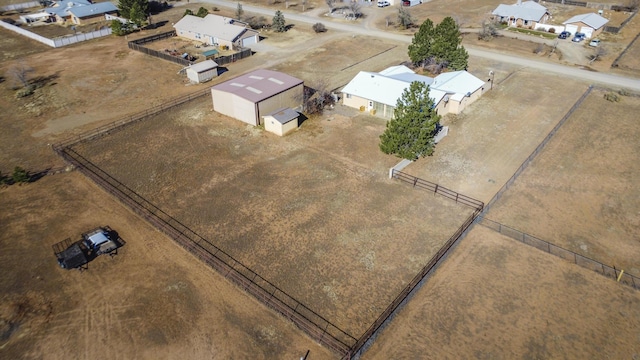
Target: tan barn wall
{"x":291,"y":98}
{"x":234,"y":106}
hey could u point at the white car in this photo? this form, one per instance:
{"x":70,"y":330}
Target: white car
{"x":383,"y":3}
{"x":594,"y":42}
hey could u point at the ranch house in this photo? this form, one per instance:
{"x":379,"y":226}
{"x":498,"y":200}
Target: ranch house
{"x":522,"y":14}
{"x":216,"y":30}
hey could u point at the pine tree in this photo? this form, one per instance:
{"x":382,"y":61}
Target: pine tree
{"x":278,"y":23}
{"x":134,"y":10}
{"x":202,"y":12}
{"x":420,"y":48}
{"x":410,"y":133}
{"x":239,"y":12}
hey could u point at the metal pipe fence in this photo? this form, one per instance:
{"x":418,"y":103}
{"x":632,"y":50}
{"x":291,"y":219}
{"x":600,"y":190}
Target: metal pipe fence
{"x":401,"y":298}
{"x":317,"y":327}
{"x":563,"y":253}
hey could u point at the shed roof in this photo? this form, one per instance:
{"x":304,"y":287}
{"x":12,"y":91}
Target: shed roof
{"x":528,"y":10}
{"x":258,"y":85}
{"x":62,"y":7}
{"x":592,"y":19}
{"x":93,"y":9}
{"x":284,"y":115}
{"x":203,"y":66}
{"x":213,"y":25}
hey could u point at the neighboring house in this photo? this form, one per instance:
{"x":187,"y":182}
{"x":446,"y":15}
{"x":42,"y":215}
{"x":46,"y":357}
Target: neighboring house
{"x":216,"y":30}
{"x":281,"y":121}
{"x":80,"y":11}
{"x":590,"y":24}
{"x":379,"y":92}
{"x":202,"y":71}
{"x":522,"y":14}
{"x":259,"y":93}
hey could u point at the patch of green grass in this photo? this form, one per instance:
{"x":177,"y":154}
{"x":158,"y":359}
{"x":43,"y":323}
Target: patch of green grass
{"x":534,"y":32}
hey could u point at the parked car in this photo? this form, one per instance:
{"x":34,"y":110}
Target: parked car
{"x":564,"y":35}
{"x":383,"y":3}
{"x":594,"y":42}
{"x":578,"y":37}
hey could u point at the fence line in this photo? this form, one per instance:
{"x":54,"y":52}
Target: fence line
{"x":317,"y":327}
{"x":558,"y":251}
{"x":537,"y":150}
{"x":437,"y":189}
{"x":57,"y":42}
{"x":21,"y":6}
{"x":617,"y":60}
{"x":369,"y":335}
{"x":220,"y":60}
{"x":119,"y":124}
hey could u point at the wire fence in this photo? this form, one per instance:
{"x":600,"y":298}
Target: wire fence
{"x":558,"y":251}
{"x":317,"y":327}
{"x":369,"y":335}
{"x":120,"y":124}
{"x":537,"y":150}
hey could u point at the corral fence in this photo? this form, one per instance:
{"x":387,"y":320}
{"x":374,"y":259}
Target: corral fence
{"x":614,"y":29}
{"x":594,"y":5}
{"x":616,"y":62}
{"x":317,"y":327}
{"x":370,"y":334}
{"x":137,"y":46}
{"x":119,"y":124}
{"x":220,"y":60}
{"x":57,"y":42}
{"x":558,"y":251}
{"x":537,"y":150}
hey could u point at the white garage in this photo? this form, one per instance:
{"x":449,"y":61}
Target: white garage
{"x":259,"y":93}
{"x":202,"y":71}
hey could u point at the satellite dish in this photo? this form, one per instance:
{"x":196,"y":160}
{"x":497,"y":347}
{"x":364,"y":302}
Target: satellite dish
{"x":468,"y":94}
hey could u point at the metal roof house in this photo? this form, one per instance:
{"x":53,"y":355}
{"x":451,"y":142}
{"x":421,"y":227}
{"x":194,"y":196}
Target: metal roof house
{"x":261,"y":92}
{"x":527,"y":14}
{"x":378,"y":93}
{"x":590,"y":24}
{"x":216,"y":30}
{"x":80,"y":11}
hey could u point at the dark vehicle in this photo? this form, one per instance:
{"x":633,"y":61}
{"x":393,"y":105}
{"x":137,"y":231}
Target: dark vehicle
{"x":579,"y":37}
{"x":564,"y":35}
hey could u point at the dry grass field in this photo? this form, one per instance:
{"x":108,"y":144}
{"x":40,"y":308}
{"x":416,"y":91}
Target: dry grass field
{"x":313,"y":212}
{"x":151,"y":301}
{"x":489,"y":141}
{"x":586,"y":202}
{"x":496,"y":298}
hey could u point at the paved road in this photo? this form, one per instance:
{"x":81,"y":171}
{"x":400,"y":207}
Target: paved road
{"x":314,"y":16}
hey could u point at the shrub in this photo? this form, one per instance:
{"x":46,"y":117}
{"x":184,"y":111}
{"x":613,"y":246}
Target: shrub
{"x":319,"y":28}
{"x":552,"y":30}
{"x":25,"y":91}
{"x":611,"y":97}
{"x":20,"y":175}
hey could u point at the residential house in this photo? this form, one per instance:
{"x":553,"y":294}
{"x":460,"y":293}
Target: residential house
{"x":590,"y":24}
{"x":378,"y":93}
{"x":216,"y":30}
{"x":80,"y":11}
{"x":522,"y":14}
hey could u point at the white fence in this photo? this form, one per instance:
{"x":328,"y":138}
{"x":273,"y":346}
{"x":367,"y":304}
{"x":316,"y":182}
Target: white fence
{"x":20,"y":6}
{"x":57,"y":42}
{"x":545,"y":27}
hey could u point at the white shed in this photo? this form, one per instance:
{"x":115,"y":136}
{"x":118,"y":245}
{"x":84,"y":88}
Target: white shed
{"x":281,"y":122}
{"x":202,"y":71}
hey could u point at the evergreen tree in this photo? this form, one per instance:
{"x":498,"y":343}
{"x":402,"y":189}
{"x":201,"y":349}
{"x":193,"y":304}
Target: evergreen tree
{"x":134,"y":10}
{"x":202,"y":12}
{"x":239,"y":12}
{"x":20,"y":175}
{"x":278,"y":22}
{"x":188,"y":12}
{"x":420,"y":48}
{"x":410,"y":133}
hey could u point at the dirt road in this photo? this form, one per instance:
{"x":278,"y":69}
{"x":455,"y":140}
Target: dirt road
{"x":311,"y":17}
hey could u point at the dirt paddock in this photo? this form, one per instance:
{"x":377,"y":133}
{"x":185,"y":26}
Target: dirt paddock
{"x":313,"y":212}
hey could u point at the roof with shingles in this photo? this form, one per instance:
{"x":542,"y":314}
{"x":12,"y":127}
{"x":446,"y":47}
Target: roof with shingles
{"x":528,"y":10}
{"x":592,"y":19}
{"x":215,"y":26}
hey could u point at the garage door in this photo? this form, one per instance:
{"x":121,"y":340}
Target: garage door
{"x":588,"y":32}
{"x":249,"y":41}
{"x":571,"y":28}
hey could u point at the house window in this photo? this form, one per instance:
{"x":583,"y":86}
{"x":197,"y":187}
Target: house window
{"x":198,"y":36}
{"x":348,"y":96}
{"x":526,"y":22}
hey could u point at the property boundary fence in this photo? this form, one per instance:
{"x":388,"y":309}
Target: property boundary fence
{"x":369,"y":335}
{"x":615,"y":62}
{"x":317,"y":327}
{"x":119,"y":124}
{"x":220,"y":60}
{"x":57,"y":42}
{"x":558,"y":251}
{"x":537,"y":150}
{"x":438,"y":189}
{"x":615,"y":30}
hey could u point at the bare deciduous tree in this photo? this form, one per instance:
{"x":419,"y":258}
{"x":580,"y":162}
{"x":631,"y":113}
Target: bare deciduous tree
{"x":19,"y":73}
{"x":330,"y":3}
{"x":387,"y":20}
{"x":489,"y":31}
{"x":316,"y":98}
{"x":598,"y":54}
{"x":355,"y":8}
{"x":404,"y":17}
